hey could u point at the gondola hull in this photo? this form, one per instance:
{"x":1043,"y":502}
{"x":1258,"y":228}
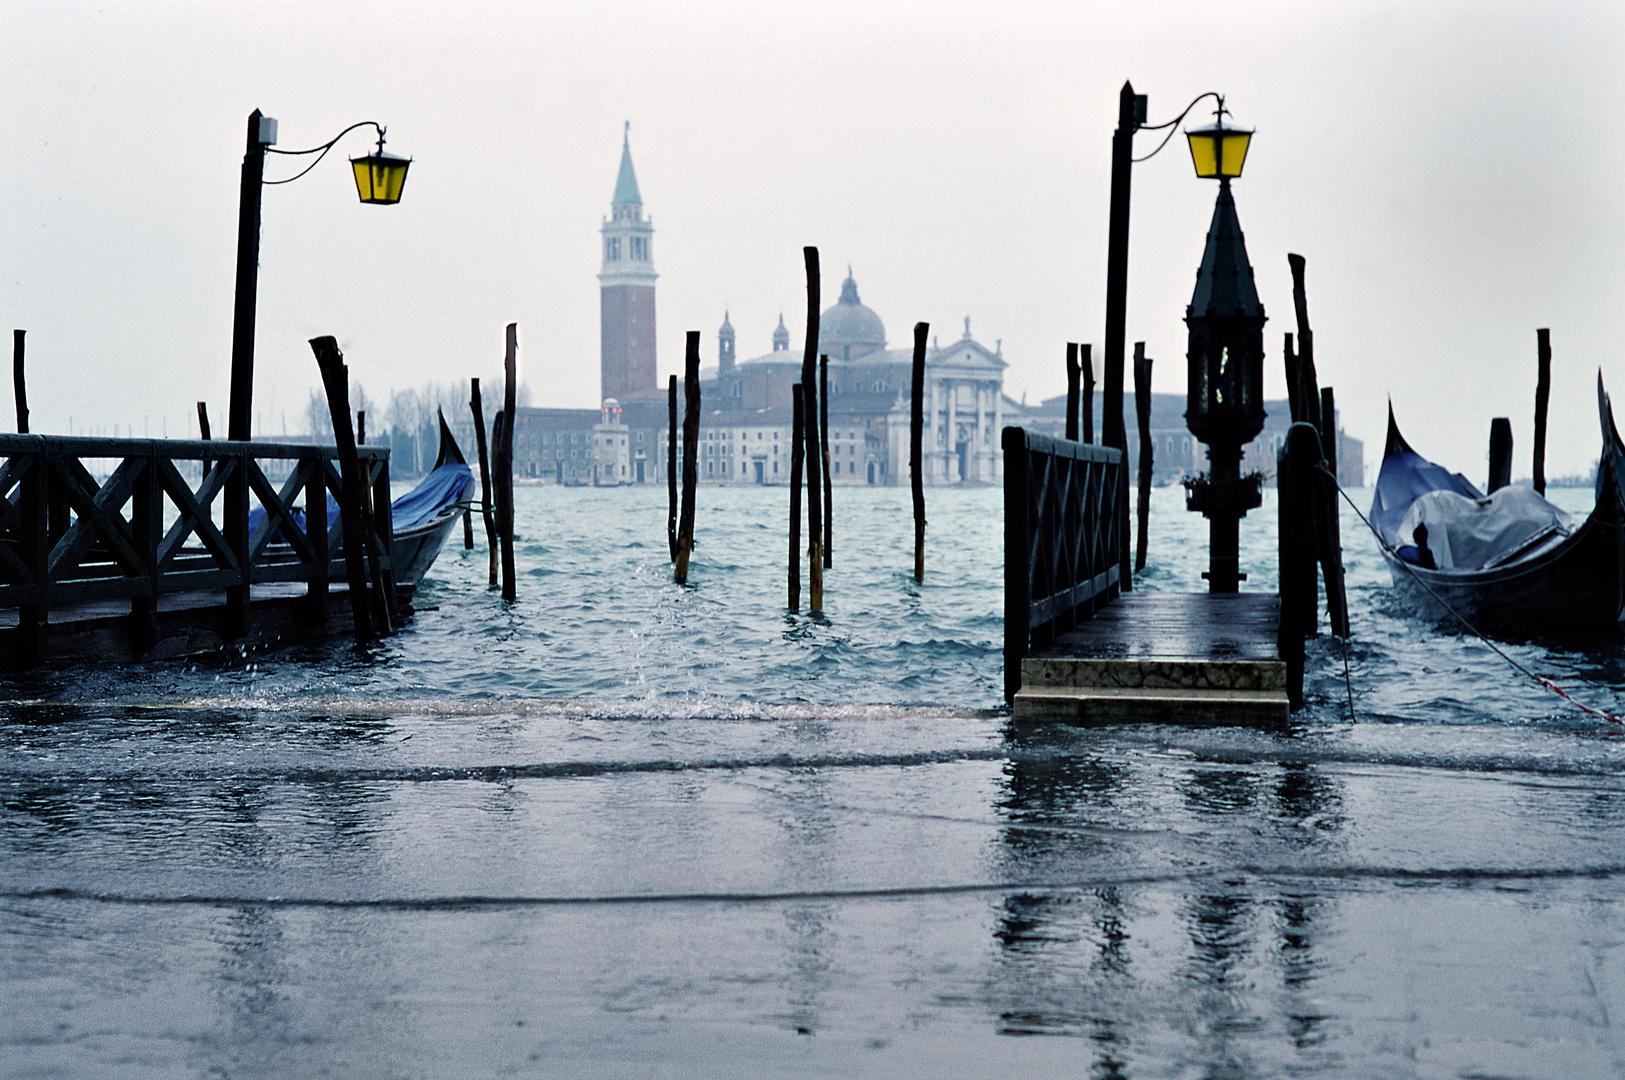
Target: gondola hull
{"x":1573,"y":588}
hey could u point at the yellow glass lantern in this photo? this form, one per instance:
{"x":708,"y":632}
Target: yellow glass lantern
{"x":380,"y":177}
{"x":1218,"y":151}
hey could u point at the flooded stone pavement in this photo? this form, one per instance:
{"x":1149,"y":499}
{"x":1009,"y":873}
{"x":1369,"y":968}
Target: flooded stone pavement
{"x":319,"y":865}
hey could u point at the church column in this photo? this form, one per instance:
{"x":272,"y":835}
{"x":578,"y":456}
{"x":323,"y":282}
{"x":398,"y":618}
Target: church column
{"x":983,"y":442}
{"x":951,"y":458}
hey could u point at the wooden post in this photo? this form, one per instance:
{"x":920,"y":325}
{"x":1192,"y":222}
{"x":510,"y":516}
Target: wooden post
{"x":146,"y":532}
{"x":1294,"y":380}
{"x":1086,"y":399}
{"x":203,"y":430}
{"x":797,"y":449}
{"x":1337,"y":602}
{"x":823,"y":441}
{"x":1500,"y":454}
{"x":468,"y":511}
{"x":1072,"y":390}
{"x":1142,"y":415}
{"x":336,"y":381}
{"x":496,"y":498}
{"x":1543,"y":391}
{"x":671,"y":466}
{"x":691,"y":447}
{"x":361,"y":427}
{"x":382,"y":613}
{"x":809,"y":402}
{"x":1328,"y":542}
{"x":19,"y":383}
{"x":1300,"y":456}
{"x":504,"y":462}
{"x":476,"y":407}
{"x":1308,"y":382}
{"x":1017,"y":559}
{"x":34,"y":497}
{"x":916,"y":426}
{"x":316,"y":532}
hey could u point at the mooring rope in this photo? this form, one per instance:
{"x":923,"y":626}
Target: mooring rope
{"x":1539,"y":680}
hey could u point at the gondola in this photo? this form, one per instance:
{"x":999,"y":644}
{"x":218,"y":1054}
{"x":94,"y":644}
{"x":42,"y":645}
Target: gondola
{"x":1511,"y":564}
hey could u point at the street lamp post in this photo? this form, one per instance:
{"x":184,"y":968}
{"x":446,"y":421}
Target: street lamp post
{"x":379,"y":178}
{"x":1130,"y":117}
{"x":1225,"y":359}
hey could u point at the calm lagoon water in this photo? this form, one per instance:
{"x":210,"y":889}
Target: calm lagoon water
{"x":624,"y":828}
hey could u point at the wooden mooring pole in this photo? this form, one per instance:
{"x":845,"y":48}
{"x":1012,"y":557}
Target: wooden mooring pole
{"x":19,"y":381}
{"x":336,"y":381}
{"x":796,"y":451}
{"x":671,"y":466}
{"x":1543,"y":393}
{"x":916,"y":427}
{"x":504,"y":462}
{"x":823,"y":441}
{"x":1072,"y":390}
{"x":1086,"y":400}
{"x":1328,"y":541}
{"x":691,"y":447}
{"x":1500,"y":455}
{"x":809,"y":426}
{"x":1295,"y":471}
{"x":1142,"y":416}
{"x":361,"y":427}
{"x":477,"y":407}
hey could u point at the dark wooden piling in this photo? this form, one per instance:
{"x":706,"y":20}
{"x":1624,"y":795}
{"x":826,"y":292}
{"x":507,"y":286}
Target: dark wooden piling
{"x":497,"y":512}
{"x":477,"y":408}
{"x":823,"y":441}
{"x":1142,"y":416}
{"x":916,"y":428}
{"x":361,"y":427}
{"x":1295,"y":469}
{"x":1337,"y":603}
{"x":671,"y":466}
{"x":809,"y":403}
{"x":19,"y":380}
{"x":1072,"y":390}
{"x":383,"y":586}
{"x":203,"y":430}
{"x":336,"y":381}
{"x":504,"y":460}
{"x":1294,"y":380}
{"x":1543,"y":392}
{"x":691,"y":448}
{"x":1086,"y":402}
{"x":796,"y":452}
{"x":1328,"y":543}
{"x":1500,"y":454}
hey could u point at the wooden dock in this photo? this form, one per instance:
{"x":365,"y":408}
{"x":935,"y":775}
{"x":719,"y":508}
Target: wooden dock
{"x":1080,"y":648}
{"x":1189,"y":658}
{"x":121,"y":549}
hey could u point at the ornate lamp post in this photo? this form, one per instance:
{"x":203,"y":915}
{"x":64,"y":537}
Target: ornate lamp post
{"x":379,"y":178}
{"x":1225,"y":375}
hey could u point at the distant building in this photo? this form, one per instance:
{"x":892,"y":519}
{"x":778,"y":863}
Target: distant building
{"x":1175,"y":452}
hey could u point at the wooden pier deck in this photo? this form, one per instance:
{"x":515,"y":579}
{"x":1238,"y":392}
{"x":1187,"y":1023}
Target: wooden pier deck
{"x":1147,"y":657}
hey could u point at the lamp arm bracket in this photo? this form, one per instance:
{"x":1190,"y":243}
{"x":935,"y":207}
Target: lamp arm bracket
{"x":1173,"y":125}
{"x":322,"y":150}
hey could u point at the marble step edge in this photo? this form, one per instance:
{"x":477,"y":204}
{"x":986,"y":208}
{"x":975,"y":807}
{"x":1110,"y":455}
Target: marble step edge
{"x":1263,"y":675}
{"x":1094,"y":705}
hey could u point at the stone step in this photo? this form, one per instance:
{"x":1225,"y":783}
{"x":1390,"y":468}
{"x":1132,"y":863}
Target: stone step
{"x":1158,"y":673}
{"x":1147,"y":705}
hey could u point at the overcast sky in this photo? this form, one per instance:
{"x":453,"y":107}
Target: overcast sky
{"x":1451,"y":171}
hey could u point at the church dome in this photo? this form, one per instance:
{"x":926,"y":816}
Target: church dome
{"x":849,"y":329}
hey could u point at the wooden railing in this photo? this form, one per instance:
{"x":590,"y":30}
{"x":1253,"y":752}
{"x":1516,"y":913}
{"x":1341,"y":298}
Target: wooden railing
{"x":1063,"y":539}
{"x":149,"y":529}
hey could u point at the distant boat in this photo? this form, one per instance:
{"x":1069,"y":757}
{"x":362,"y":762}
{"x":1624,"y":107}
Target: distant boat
{"x":1511,"y":563}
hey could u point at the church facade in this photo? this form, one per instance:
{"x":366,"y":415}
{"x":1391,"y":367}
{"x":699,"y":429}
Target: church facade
{"x":745,"y":426}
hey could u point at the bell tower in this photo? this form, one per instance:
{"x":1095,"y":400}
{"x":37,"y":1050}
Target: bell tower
{"x":626,"y":294}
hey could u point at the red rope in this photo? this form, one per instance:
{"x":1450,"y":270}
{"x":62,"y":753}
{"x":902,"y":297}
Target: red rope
{"x":1564,"y":694}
